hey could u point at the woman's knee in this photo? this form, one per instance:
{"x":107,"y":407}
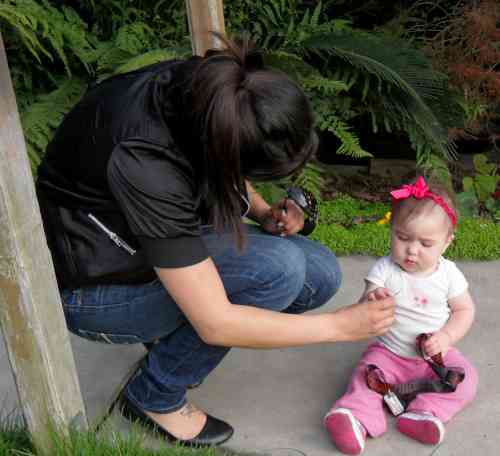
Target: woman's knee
{"x":324,"y":275}
{"x":330,"y":274}
{"x":283,"y":274}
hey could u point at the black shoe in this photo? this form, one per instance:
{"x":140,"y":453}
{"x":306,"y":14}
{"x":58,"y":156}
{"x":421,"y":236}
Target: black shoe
{"x":214,"y":432}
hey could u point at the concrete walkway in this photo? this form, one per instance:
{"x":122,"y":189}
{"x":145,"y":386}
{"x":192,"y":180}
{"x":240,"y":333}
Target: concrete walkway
{"x":276,"y":399}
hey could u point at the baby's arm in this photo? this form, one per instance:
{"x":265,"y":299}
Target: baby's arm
{"x":461,"y":318}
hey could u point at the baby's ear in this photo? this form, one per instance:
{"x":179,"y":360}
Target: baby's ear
{"x":450,"y":239}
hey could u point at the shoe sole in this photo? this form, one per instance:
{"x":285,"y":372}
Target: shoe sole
{"x":344,"y":432}
{"x":423,"y":428}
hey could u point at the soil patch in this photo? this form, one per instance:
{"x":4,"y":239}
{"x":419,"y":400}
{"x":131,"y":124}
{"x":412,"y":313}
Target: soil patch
{"x":362,"y":185}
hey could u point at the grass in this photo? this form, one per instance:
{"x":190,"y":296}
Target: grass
{"x":349,"y":227}
{"x":15,"y":441}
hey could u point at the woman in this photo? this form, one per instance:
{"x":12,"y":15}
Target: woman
{"x":142,"y":192}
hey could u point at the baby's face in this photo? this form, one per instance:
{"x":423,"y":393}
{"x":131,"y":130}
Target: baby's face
{"x":417,"y":245}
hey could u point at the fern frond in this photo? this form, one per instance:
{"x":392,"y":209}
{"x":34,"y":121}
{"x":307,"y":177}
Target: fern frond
{"x":323,"y":93}
{"x":403,"y":86}
{"x":25,"y":25}
{"x":106,"y":57}
{"x":349,"y":142}
{"x":282,"y":24}
{"x":407,"y":62}
{"x":437,"y":169}
{"x":134,"y":38}
{"x":311,"y":178}
{"x":291,"y":63}
{"x":44,"y":30}
{"x":44,"y":115}
{"x":328,"y":119}
{"x":325,"y":86}
{"x":315,"y":22}
{"x":132,"y":48}
{"x":148,"y":58}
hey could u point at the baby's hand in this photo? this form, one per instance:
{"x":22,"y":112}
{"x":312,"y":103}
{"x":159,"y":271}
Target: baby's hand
{"x":438,"y":343}
{"x":378,"y":293}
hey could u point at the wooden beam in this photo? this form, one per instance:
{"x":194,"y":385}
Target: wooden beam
{"x":31,"y":315}
{"x":205,"y":16}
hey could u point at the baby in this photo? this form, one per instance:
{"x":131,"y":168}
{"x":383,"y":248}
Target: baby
{"x":432,"y":297}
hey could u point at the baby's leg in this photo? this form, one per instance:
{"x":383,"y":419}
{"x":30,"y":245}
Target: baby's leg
{"x":366,"y":405}
{"x":445,"y":405}
{"x":426,"y":414}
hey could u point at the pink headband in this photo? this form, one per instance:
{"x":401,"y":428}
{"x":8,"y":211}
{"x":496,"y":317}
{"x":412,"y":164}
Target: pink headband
{"x":420,"y":190}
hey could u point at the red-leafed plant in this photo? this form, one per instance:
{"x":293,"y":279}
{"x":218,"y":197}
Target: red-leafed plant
{"x":467,"y":47}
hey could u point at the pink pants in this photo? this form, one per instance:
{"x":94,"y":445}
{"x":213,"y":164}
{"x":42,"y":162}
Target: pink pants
{"x":368,"y":406}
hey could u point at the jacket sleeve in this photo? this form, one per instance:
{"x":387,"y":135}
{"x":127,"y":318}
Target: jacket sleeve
{"x":154,"y":187}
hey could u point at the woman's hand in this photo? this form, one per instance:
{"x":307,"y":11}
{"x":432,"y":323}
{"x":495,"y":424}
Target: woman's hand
{"x":378,"y":293}
{"x":284,"y":218}
{"x":365,"y":319}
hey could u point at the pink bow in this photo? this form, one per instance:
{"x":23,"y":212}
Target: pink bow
{"x":420,"y":190}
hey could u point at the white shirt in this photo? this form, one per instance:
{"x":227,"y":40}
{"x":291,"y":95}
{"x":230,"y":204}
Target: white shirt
{"x":421,"y":302}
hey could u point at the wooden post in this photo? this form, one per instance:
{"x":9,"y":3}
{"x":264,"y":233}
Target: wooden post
{"x":205,"y":16}
{"x":31,"y":315}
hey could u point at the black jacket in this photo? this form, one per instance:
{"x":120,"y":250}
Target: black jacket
{"x":121,"y":162}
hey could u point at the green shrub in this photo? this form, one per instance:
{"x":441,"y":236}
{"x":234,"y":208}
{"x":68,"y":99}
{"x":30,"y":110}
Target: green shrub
{"x":363,"y":239}
{"x":476,"y":239}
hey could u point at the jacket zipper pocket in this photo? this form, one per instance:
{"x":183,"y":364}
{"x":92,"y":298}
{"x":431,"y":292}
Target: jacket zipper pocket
{"x":113,"y":236}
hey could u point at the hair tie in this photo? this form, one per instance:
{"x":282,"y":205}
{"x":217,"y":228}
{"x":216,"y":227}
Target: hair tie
{"x":420,"y":190}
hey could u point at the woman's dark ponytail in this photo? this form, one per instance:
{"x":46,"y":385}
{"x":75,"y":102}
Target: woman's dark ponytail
{"x":255,"y":123}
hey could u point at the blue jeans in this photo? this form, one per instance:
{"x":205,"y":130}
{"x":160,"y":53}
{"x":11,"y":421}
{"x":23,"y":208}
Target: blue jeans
{"x":292,"y":274}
